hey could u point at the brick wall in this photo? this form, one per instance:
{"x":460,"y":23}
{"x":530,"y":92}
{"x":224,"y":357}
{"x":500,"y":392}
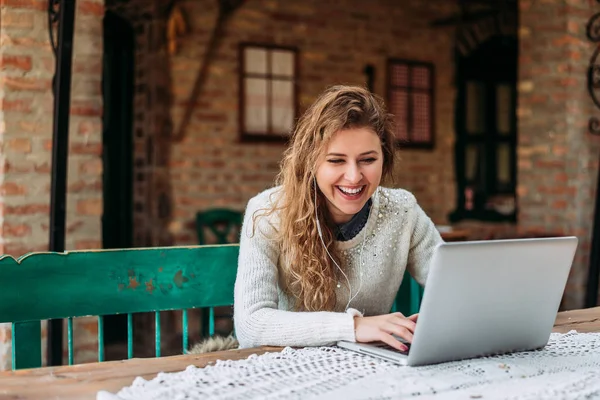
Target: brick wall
{"x":26,"y":70}
{"x":210,"y":167}
{"x":557,"y":158}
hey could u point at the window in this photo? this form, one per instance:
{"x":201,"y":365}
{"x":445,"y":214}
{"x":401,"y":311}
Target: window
{"x":268,"y":92}
{"x":486,"y":132}
{"x":410,"y":100}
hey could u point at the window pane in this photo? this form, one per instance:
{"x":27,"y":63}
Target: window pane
{"x":399,"y":108}
{"x":421,"y":113}
{"x":421,"y":77}
{"x":504,"y":109}
{"x":282,"y":106}
{"x":399,"y":74}
{"x":475,"y":118}
{"x":282,"y":63}
{"x":503,"y":164}
{"x":255,"y":60}
{"x":255,"y":101}
{"x":471,"y":162}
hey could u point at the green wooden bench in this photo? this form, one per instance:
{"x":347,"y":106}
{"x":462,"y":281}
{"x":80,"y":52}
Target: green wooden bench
{"x":40,"y":286}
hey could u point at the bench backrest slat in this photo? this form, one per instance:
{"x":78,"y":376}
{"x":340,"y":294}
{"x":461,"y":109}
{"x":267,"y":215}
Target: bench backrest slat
{"x":41,"y":286}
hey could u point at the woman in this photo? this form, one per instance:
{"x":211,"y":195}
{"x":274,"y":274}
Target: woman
{"x":323,"y":254}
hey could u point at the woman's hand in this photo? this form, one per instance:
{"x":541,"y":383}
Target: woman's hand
{"x":382,"y":327}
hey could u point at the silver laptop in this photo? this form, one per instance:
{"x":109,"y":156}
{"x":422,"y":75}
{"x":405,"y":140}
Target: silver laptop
{"x":483,"y":298}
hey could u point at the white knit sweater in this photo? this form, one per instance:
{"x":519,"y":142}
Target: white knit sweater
{"x":398,"y":235}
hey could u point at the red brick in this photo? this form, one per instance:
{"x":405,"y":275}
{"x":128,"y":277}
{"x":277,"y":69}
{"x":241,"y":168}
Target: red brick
{"x":86,"y":108}
{"x":557,"y":190}
{"x":560,"y":205}
{"x":569,"y":82}
{"x":535,"y":99}
{"x":549,"y":164}
{"x":567,"y":40}
{"x":15,"y":230}
{"x":92,"y":207}
{"x":561,"y":177}
{"x":561,"y":97}
{"x":27,"y":209}
{"x":41,"y":5}
{"x":20,"y":105}
{"x":574,"y":27}
{"x":574,"y":55}
{"x":28,"y":84}
{"x":19,"y":145}
{"x":85,"y":186}
{"x":48,"y":144}
{"x":15,"y":19}
{"x":85,"y":65}
{"x":558,"y":150}
{"x":12,"y":189}
{"x":90,"y":148}
{"x":91,"y":8}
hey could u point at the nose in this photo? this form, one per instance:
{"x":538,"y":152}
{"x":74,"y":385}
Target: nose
{"x":353,"y":173}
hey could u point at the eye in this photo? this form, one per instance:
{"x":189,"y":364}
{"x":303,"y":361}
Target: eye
{"x":335,"y":161}
{"x":369,"y":160}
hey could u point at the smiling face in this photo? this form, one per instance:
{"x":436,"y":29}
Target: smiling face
{"x":350,"y":171}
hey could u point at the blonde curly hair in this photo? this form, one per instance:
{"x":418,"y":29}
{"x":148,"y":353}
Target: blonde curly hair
{"x":308,"y":274}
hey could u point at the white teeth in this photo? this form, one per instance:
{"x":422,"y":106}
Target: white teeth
{"x":350,"y":191}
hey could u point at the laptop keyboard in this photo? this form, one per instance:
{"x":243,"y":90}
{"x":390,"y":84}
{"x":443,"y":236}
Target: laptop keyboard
{"x":385,"y":346}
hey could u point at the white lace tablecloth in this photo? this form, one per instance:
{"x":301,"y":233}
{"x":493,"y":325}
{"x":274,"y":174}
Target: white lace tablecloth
{"x":567,"y":368}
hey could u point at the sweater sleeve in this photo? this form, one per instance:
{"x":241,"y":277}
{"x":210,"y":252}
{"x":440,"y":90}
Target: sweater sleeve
{"x":424,"y":239}
{"x":258,"y":321}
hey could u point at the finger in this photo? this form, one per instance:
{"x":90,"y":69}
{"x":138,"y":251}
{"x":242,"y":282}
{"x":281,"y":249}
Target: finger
{"x":405,"y":322}
{"x":413,"y":317}
{"x":389,"y":340}
{"x":400,"y":331}
{"x":398,"y":314}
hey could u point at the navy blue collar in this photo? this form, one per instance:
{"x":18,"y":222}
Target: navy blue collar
{"x":350,"y":229}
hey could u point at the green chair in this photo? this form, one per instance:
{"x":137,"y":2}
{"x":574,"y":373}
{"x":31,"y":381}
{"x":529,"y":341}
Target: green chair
{"x":222,"y":223}
{"x":40,"y":286}
{"x":408,"y":298}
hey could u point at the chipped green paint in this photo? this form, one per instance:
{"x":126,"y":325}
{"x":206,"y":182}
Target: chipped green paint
{"x":179,"y":279}
{"x":41,"y":286}
{"x":149,"y":286}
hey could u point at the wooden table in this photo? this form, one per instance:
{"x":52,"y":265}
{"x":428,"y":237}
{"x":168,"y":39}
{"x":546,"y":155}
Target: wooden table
{"x":85,"y":380}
